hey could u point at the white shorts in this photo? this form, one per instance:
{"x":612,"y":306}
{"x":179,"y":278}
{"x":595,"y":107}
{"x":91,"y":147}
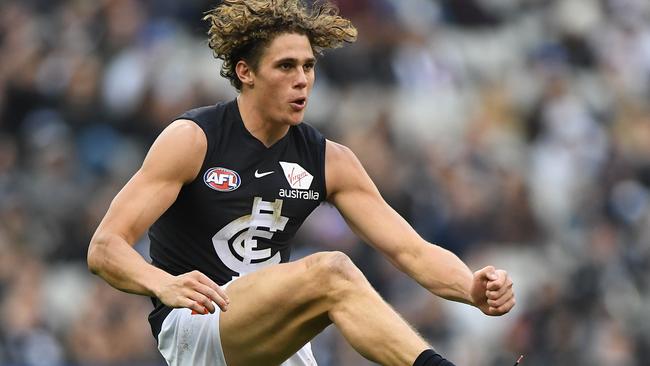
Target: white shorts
{"x":194,"y":340}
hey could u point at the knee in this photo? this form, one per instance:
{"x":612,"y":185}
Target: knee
{"x":335,"y":268}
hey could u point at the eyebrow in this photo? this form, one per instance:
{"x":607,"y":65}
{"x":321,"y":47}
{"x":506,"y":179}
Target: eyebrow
{"x":295,"y":60}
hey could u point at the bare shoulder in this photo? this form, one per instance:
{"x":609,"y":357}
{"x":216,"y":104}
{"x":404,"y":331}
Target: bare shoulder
{"x":184,"y":131}
{"x":336,"y":154}
{"x":178,"y":151}
{"x":343,"y":170}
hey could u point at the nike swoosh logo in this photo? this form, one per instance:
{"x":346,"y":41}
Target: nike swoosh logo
{"x":260,"y":175}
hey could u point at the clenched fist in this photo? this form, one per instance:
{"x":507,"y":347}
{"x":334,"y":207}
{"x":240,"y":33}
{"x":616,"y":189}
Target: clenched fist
{"x":492,"y":291}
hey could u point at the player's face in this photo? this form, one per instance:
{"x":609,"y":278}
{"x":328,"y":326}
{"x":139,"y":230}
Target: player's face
{"x":285,"y":77}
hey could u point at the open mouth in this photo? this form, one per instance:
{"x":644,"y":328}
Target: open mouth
{"x":299,"y":103}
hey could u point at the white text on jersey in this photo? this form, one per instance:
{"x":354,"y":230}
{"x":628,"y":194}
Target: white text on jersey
{"x":294,"y":193}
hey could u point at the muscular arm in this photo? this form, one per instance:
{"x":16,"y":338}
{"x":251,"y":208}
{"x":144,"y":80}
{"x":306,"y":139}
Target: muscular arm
{"x":354,"y":194}
{"x":174,"y":159}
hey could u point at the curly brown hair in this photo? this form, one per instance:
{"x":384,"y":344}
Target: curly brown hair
{"x":242,"y":29}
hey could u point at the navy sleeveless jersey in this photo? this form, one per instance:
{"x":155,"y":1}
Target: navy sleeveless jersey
{"x":244,"y":206}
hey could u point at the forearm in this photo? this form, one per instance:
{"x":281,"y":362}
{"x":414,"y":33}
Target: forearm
{"x":438,"y":270}
{"x":114,"y":260}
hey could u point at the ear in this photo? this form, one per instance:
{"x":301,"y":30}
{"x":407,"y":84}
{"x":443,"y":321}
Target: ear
{"x":245,"y":73}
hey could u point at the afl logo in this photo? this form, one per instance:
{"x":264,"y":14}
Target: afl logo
{"x":222,"y":179}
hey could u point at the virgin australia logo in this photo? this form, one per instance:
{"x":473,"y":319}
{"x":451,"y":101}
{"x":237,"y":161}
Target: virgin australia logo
{"x":300,"y":180}
{"x":296,"y":175}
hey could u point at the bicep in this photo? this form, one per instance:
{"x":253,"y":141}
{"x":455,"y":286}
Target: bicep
{"x":140,"y":202}
{"x":173,"y":160}
{"x":361,"y":205}
{"x":377,"y":223}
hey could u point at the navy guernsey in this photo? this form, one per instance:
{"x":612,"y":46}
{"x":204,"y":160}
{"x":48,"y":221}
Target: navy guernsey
{"x":244,"y":206}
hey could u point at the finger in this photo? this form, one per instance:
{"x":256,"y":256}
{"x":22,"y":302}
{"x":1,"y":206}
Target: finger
{"x":212,"y":295}
{"x":194,"y":306}
{"x":202,"y":300}
{"x":487,"y":273}
{"x":499,"y":292}
{"x":503,"y":309}
{"x":203,"y":312}
{"x":208,"y":282}
{"x":501,"y":300}
{"x":499,"y":281}
{"x":507,"y":306}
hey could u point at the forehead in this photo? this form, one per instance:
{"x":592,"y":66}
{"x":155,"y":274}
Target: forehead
{"x":289,"y":45}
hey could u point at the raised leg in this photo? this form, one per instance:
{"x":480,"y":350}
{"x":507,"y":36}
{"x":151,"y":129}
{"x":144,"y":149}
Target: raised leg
{"x":275,"y":311}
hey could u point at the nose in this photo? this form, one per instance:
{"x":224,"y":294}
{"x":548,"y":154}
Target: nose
{"x":301,"y":79}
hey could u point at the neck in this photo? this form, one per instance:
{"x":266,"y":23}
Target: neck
{"x":260,"y":126}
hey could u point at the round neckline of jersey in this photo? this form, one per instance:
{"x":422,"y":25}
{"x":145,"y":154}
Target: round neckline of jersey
{"x":254,"y":141}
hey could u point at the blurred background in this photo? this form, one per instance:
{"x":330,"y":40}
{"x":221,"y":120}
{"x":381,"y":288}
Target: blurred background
{"x":512,"y":132}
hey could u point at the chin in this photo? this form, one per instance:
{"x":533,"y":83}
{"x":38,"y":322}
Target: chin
{"x":294,"y":120}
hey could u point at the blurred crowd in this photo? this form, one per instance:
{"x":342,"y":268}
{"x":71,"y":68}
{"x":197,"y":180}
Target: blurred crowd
{"x":512,"y":132}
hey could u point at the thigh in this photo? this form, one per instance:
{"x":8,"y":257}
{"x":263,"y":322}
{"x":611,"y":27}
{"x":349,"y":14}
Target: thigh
{"x":272,"y":314}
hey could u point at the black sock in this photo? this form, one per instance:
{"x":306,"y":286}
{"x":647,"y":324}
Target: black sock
{"x":430,"y":358}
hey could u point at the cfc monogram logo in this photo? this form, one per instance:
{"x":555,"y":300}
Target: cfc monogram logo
{"x":239,"y":237}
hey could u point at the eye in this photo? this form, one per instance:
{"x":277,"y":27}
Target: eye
{"x":309,"y":66}
{"x":286,"y":66}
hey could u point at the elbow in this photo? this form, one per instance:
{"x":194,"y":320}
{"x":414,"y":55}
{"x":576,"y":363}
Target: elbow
{"x":407,"y":257}
{"x":95,"y":256}
{"x":92,"y":259}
